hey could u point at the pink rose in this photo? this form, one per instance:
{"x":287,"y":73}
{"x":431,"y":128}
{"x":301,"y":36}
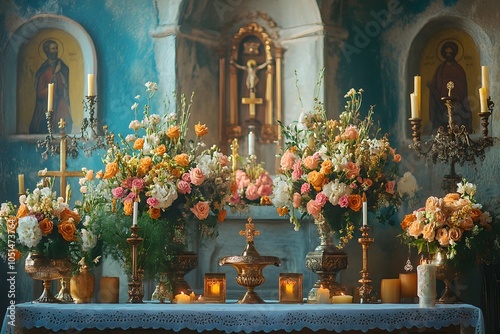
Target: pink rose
{"x":137,"y":184}
{"x":344,"y":201}
{"x":265,"y":190}
{"x":186,"y":177}
{"x":351,"y":169}
{"x":131,"y":196}
{"x":127,"y":183}
{"x":118,"y":192}
{"x":297,"y":170}
{"x":389,"y":187}
{"x":350,"y":133}
{"x":235,"y":198}
{"x":223,"y":160}
{"x":252,"y":192}
{"x":296,"y":200}
{"x":304,"y":189}
{"x":196,"y":175}
{"x":321,"y":199}
{"x":442,"y":237}
{"x":152,"y":202}
{"x":313,"y":208}
{"x":264,"y":178}
{"x":201,"y":210}
{"x":287,"y":160}
{"x":184,"y":187}
{"x":311,"y":161}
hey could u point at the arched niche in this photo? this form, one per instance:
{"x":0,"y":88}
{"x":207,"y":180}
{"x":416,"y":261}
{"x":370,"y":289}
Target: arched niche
{"x":34,"y":31}
{"x":424,"y":59}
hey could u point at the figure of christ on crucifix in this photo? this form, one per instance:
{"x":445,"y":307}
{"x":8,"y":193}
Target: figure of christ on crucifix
{"x":251,"y":81}
{"x":62,"y":173}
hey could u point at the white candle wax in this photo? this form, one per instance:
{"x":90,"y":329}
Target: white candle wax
{"x":135,"y":213}
{"x":50,"y":96}
{"x":182,"y":298}
{"x":485,"y":80}
{"x":365,"y":211}
{"x":342,"y":299}
{"x":414,"y":106}
{"x":483,"y":99}
{"x":251,"y":143}
{"x":90,"y":85}
{"x":426,"y":285}
{"x":323,"y":295}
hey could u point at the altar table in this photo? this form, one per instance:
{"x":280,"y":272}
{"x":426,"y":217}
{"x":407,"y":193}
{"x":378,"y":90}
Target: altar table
{"x":229,"y":318}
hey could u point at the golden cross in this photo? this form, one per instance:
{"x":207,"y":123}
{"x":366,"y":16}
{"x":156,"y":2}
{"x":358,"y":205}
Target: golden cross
{"x":234,"y":153}
{"x":251,"y":101}
{"x":250,"y":231}
{"x":62,"y":172}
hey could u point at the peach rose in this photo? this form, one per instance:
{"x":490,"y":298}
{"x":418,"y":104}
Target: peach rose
{"x":313,"y":208}
{"x":182,"y":159}
{"x":67,"y":214}
{"x":326,"y":167}
{"x":89,"y":176}
{"x":350,"y":133}
{"x":316,"y":179}
{"x":173,"y":132}
{"x":415,"y":229}
{"x":397,"y":158}
{"x":352,"y":170}
{"x":408,"y":220}
{"x":311,"y":162}
{"x":432,"y":203}
{"x":428,"y":232}
{"x":475,"y":214}
{"x":455,"y":234}
{"x":355,"y":202}
{"x":296,"y":200}
{"x":389,"y":187}
{"x":442,"y":237}
{"x":201,"y":210}
{"x":154,"y":213}
{"x":200,"y":130}
{"x":287,"y":160}
{"x":161,"y":150}
{"x":196,"y":175}
{"x":46,"y":225}
{"x":22,"y":211}
{"x":67,"y":230}
{"x":221,"y":216}
{"x":111,"y":170}
{"x":144,"y":165}
{"x":466,"y":224}
{"x":139,"y":144}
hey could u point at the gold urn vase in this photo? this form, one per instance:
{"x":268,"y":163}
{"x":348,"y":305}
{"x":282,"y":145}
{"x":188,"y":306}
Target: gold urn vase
{"x":44,"y":269}
{"x":82,"y":286}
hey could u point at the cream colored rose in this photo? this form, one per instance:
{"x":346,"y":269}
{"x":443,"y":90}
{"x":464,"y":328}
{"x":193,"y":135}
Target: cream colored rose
{"x":432,"y":204}
{"x":415,"y":229}
{"x":442,"y":237}
{"x":428,"y":232}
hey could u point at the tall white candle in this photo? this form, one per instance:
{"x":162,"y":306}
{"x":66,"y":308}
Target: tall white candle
{"x":483,"y":99}
{"x":50,"y":97}
{"x":323,"y":295}
{"x":90,"y":85}
{"x":485,"y":80}
{"x":365,"y":211}
{"x":417,"y":81}
{"x":251,"y":143}
{"x":136,"y":209}
{"x":414,"y":106}
{"x":426,"y":285}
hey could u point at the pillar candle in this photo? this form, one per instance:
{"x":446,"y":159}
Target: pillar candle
{"x":408,"y":285}
{"x":426,"y":288}
{"x":251,"y":143}
{"x":109,"y":290}
{"x":182,"y":298}
{"x":323,"y":295}
{"x":20,"y":179}
{"x":417,"y":82}
{"x":90,"y":85}
{"x":365,"y":211}
{"x":483,"y":99}
{"x":50,"y":96}
{"x":414,"y":106}
{"x":215,"y":289}
{"x":390,"y":290}
{"x":289,"y":289}
{"x":135,"y":213}
{"x":342,"y":299}
{"x":485,"y":80}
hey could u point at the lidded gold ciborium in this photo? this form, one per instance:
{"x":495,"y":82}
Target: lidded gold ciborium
{"x":249,"y":266}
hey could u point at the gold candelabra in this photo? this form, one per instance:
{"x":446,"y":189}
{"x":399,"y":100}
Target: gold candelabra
{"x":365,"y":289}
{"x":134,"y":291}
{"x":453,"y":143}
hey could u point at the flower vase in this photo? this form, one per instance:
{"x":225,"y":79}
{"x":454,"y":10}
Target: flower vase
{"x":42,"y":268}
{"x":446,"y":274}
{"x":82,"y":286}
{"x":326,"y":261}
{"x":184,"y":263}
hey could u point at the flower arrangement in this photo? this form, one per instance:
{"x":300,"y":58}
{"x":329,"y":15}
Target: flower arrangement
{"x":253,"y":185}
{"x":455,"y":224}
{"x":328,"y":165}
{"x":45,"y":224}
{"x":178,"y":183}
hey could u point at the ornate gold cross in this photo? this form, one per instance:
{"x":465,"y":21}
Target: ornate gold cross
{"x":251,"y":101}
{"x":234,"y":153}
{"x":250,"y":231}
{"x":62,"y":173}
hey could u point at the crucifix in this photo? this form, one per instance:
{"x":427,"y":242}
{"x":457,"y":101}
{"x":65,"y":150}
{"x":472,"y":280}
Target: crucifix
{"x":251,"y":101}
{"x":62,"y":173}
{"x":249,"y":231}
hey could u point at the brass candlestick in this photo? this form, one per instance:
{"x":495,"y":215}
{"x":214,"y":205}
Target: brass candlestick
{"x":365,"y":289}
{"x":134,"y":291}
